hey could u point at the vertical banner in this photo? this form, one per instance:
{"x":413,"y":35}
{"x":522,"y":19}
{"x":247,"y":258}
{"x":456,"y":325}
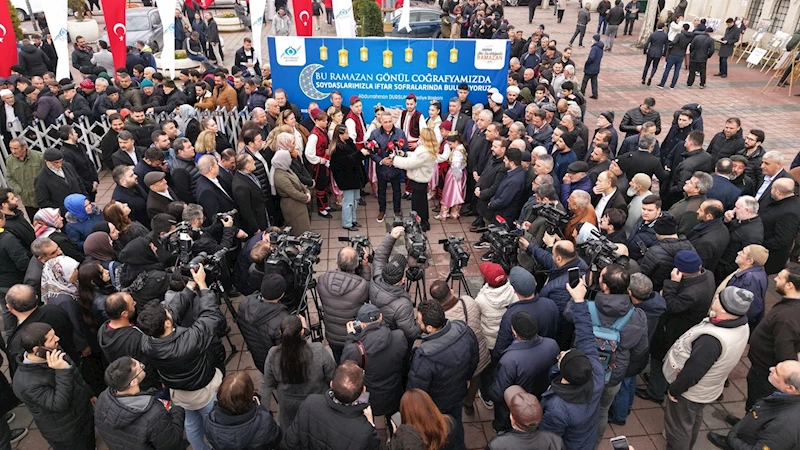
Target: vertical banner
{"x":257,"y":23}
{"x":405,"y":17}
{"x":114,"y":14}
{"x":302,"y":17}
{"x":8,"y":41}
{"x":57,"y":24}
{"x":344,"y":18}
{"x":166,"y":10}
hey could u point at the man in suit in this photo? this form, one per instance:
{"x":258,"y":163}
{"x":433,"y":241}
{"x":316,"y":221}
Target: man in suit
{"x":781,"y":219}
{"x":455,"y":116}
{"x":153,"y":160}
{"x":247,"y":194}
{"x":129,"y":191}
{"x":21,"y":111}
{"x":160,"y":196}
{"x":227,"y":168}
{"x":722,"y":189}
{"x":655,"y":48}
{"x":609,"y":196}
{"x":772,"y":169}
{"x":210,"y":193}
{"x":128,"y":154}
{"x":471,"y":127}
{"x":56,"y":180}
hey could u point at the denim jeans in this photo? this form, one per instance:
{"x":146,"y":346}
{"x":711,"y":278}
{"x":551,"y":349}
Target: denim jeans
{"x":195,"y":425}
{"x":580,"y":30}
{"x":723,"y":65}
{"x":602,"y":23}
{"x":605,"y":403}
{"x":621,"y":406}
{"x":382,"y":184}
{"x":200,"y":58}
{"x":672,"y":61}
{"x":350,"y":206}
{"x":656,"y":385}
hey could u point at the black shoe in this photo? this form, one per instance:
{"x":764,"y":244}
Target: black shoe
{"x":717,"y":74}
{"x":406,"y":196}
{"x":362,"y":202}
{"x":723,"y":76}
{"x":718,"y":440}
{"x":333,"y":208}
{"x":351,"y":228}
{"x":593,"y":96}
{"x":234,"y":292}
{"x":487,"y":256}
{"x":477,"y":223}
{"x":356,"y":224}
{"x":614,"y":421}
{"x":643,"y":81}
{"x":649,"y":80}
{"x":642,"y":394}
{"x":17,"y":434}
{"x":469,"y":213}
{"x":731,"y":420}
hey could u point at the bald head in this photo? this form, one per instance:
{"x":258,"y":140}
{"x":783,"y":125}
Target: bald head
{"x":347,"y":259}
{"x":785,"y":376}
{"x":782,"y":188}
{"x":642,"y":182}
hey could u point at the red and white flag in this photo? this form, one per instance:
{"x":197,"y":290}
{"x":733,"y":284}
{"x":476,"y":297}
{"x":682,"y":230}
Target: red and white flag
{"x":8,"y":41}
{"x":302,"y":17}
{"x":114,"y":14}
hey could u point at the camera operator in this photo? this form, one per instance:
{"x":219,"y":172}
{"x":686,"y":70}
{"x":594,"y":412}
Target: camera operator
{"x":142,"y":274}
{"x":260,"y":316}
{"x":181,"y":355}
{"x":342,"y":292}
{"x":558,"y":262}
{"x":241,"y":271}
{"x":160,"y":225}
{"x":388,"y":291}
{"x":259,"y":254}
{"x":204,"y":240}
{"x":535,"y":224}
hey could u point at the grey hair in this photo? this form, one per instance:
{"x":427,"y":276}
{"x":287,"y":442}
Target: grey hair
{"x":646,"y":142}
{"x":773,"y":155}
{"x":640,"y":286}
{"x":750,"y":203}
{"x":455,"y":100}
{"x":574,"y":110}
{"x":544,"y":179}
{"x":582,"y":198}
{"x":39,"y":244}
{"x":478,"y":107}
{"x":347,"y":260}
{"x":704,"y":181}
{"x":519,"y":127}
{"x":487,"y":114}
{"x":539,"y":151}
{"x":547,"y":160}
{"x":101,"y":82}
{"x":206,"y":163}
{"x":192,"y":211}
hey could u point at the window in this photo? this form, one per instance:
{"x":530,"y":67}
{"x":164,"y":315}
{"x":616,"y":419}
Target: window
{"x":778,"y":16}
{"x":754,"y":12}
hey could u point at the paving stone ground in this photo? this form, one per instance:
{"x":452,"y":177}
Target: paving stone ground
{"x":773,"y":111}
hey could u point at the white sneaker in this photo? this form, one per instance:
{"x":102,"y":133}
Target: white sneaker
{"x":487,"y":403}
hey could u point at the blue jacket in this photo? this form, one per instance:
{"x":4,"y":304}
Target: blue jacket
{"x":79,"y":231}
{"x":526,"y":364}
{"x":383,"y":139}
{"x":584,"y":184}
{"x":555,"y":287}
{"x":541,"y":308}
{"x":724,"y":191}
{"x":576,"y":423}
{"x":443,"y":363}
{"x":592,"y":65}
{"x":653,"y":308}
{"x":560,"y":163}
{"x":506,"y":201}
{"x":642,"y":238}
{"x":754,"y":280}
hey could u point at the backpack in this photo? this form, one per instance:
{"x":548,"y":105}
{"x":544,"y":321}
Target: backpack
{"x":607,"y":338}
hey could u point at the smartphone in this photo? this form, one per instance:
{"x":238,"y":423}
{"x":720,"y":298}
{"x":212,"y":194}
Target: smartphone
{"x":619,"y":443}
{"x":363,"y":398}
{"x":574,"y":276}
{"x":396,"y":419}
{"x":42,"y":352}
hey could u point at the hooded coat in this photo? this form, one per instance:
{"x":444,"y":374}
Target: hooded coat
{"x":33,"y":60}
{"x":139,"y":422}
{"x":341,"y":294}
{"x":659,"y":260}
{"x":142,"y":275}
{"x":325,"y":424}
{"x":592,"y":65}
{"x":493,"y":303}
{"x":260,"y":324}
{"x":393,"y":300}
{"x":254,"y":429}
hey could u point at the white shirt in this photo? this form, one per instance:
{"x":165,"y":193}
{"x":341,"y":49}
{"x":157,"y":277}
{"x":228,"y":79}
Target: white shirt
{"x":165,"y":194}
{"x":59,"y":172}
{"x":602,"y":203}
{"x":132,"y":154}
{"x":11,"y":117}
{"x":217,"y":184}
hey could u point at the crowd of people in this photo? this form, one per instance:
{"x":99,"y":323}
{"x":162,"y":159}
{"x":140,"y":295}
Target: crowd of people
{"x":107,"y":323}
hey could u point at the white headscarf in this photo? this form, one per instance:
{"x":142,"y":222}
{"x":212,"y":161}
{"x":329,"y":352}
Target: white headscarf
{"x":57,"y":277}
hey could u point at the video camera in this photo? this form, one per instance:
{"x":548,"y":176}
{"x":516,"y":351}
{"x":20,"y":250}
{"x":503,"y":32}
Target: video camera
{"x":416,"y":240}
{"x":180,"y":240}
{"x":362,"y":245}
{"x":503,"y":244}
{"x":300,"y":252}
{"x":458,"y":256}
{"x":556,"y":219}
{"x":602,"y":252}
{"x":213,"y":263}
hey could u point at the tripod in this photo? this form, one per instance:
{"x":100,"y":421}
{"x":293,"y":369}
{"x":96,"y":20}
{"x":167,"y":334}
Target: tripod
{"x":416,"y":276}
{"x":457,"y":276}
{"x":310,"y":287}
{"x":219,"y":289}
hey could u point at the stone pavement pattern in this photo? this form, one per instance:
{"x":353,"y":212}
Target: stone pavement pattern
{"x":620,"y":89}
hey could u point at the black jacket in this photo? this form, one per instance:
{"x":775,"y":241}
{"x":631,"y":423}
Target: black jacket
{"x":51,"y":315}
{"x":656,"y":45}
{"x":23,"y":112}
{"x":615,"y":15}
{"x":182,"y":358}
{"x":393,"y":300}
{"x":75,"y":154}
{"x":642,"y":162}
{"x":769,"y":424}
{"x":252,"y":207}
{"x":341,"y":294}
{"x":693,"y":161}
{"x":443,"y":363}
{"x":254,"y":429}
{"x":184,"y":179}
{"x":57,"y":399}
{"x":172,"y":101}
{"x":33,"y":60}
{"x":80,"y":107}
{"x":680,"y":43}
{"x":14,"y":260}
{"x":766,"y":198}
{"x":742,"y":234}
{"x":139,"y":422}
{"x":635,"y":117}
{"x":213,"y":199}
{"x":701,"y":48}
{"x":120,"y":158}
{"x":51,"y":189}
{"x":136,"y":198}
{"x":709,"y":240}
{"x":126,"y":341}
{"x":157,"y":203}
{"x":658,"y":262}
{"x":723,"y":147}
{"x":781,"y":221}
{"x":347,"y":164}
{"x":323,"y":423}
{"x":385,"y":352}
{"x":21,"y":228}
{"x":515,"y":440}
{"x":260,"y":324}
{"x":776,"y":336}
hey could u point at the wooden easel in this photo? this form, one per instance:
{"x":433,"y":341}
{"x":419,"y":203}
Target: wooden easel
{"x":793,"y":75}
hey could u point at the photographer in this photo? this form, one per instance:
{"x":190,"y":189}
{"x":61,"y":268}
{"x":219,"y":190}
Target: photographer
{"x":142,"y":274}
{"x":204,"y":237}
{"x":342,"y":292}
{"x":260,"y":316}
{"x":537,"y":223}
{"x":241,"y":271}
{"x":181,"y":355}
{"x":387,"y":290}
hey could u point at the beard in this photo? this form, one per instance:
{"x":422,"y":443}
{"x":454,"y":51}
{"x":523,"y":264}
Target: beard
{"x":779,"y":290}
{"x":631,"y":192}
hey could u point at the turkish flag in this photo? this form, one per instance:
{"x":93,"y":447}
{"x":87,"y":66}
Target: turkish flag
{"x":302,"y":17}
{"x":205,"y":4}
{"x":8,"y":42}
{"x":114,"y":14}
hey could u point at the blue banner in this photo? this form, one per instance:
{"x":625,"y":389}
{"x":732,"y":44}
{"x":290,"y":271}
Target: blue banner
{"x":386,"y":70}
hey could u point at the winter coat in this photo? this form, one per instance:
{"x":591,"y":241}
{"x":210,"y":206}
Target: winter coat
{"x":555,"y":286}
{"x":259,"y":322}
{"x":635,"y":117}
{"x":341,"y":294}
{"x":742,"y":234}
{"x":51,"y":189}
{"x":592,"y":65}
{"x":583,"y":16}
{"x":693,"y":161}
{"x":406,"y":437}
{"x":493,"y":303}
{"x":13,"y":260}
{"x":724,"y":147}
{"x":81,"y":58}
{"x":571,"y":411}
{"x":184,"y":178}
{"x":253,"y":430}
{"x":526,"y":364}
{"x":326,"y":424}
{"x":731,"y":37}
{"x":139,"y":422}
{"x":393,"y":300}
{"x":51,"y":315}
{"x":48,"y":108}
{"x":79,"y":231}
{"x":687,"y":304}
{"x":126,"y":341}
{"x":467,"y":310}
{"x":506,"y":201}
{"x":347,"y":166}
{"x":535,"y":439}
{"x":653,"y":307}
{"x":76,"y":155}
{"x":293,"y":201}
{"x":769,"y":424}
{"x":680,"y":43}
{"x":17,"y":225}
{"x":656,"y":45}
{"x":701,"y":48}
{"x":755,"y":280}
{"x":136,"y":198}
{"x":258,"y":99}
{"x":33,"y":60}
{"x":319,"y":374}
{"x":57,"y":399}
{"x":775,"y":338}
{"x":659,"y":260}
{"x":615,"y":15}
{"x":172,"y":101}
{"x":417,"y":164}
{"x":724,"y":191}
{"x":641,"y":239}
{"x":225,"y":97}
{"x":709,"y":240}
{"x":541,"y":308}
{"x":685,"y":212}
{"x":443,"y":363}
{"x":385,"y":352}
{"x":642,"y":162}
{"x":781,"y":221}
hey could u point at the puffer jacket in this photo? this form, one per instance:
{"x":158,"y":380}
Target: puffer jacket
{"x":393,"y":300}
{"x":341,"y":294}
{"x":642,"y":238}
{"x":701,"y":48}
{"x":724,"y":147}
{"x":260,"y":322}
{"x":467,"y":310}
{"x":258,"y":99}
{"x":571,"y":411}
{"x":33,"y":60}
{"x":324,"y":423}
{"x":385,"y":354}
{"x":493,"y":303}
{"x":182,"y":358}
{"x":541,"y":308}
{"x":634,"y":341}
{"x":555,"y":286}
{"x":659,"y":260}
{"x":443,"y":363}
{"x":527,"y":364}
{"x":139,"y":422}
{"x":635,"y":117}
{"x":57,"y":399}
{"x":184,"y":179}
{"x":253,"y":430}
{"x":769,"y":424}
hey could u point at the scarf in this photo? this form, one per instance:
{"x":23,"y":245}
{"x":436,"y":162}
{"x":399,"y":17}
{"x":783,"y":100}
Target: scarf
{"x":98,"y":246}
{"x":45,"y":221}
{"x":282,"y":160}
{"x":185,"y":114}
{"x":57,"y":277}
{"x":76,"y":206}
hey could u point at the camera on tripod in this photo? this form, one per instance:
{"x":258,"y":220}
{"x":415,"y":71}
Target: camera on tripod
{"x":503,"y":244}
{"x":458,"y":256}
{"x":556,"y":219}
{"x":213,"y":263}
{"x":362,"y":245}
{"x":416,"y":240}
{"x":602,"y":252}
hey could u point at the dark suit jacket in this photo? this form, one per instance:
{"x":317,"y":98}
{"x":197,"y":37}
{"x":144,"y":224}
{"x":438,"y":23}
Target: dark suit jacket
{"x":616,"y":201}
{"x":251,"y":205}
{"x":724,"y":191}
{"x":120,"y":158}
{"x":157,"y":203}
{"x":226,"y":178}
{"x":136,"y":198}
{"x":766,"y":199}
{"x":213,"y":199}
{"x":461,"y":121}
{"x":51,"y":189}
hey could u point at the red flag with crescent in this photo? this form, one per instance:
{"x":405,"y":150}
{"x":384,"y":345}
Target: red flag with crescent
{"x":205,"y":4}
{"x":302,"y":17}
{"x":8,"y":41}
{"x":114,"y":13}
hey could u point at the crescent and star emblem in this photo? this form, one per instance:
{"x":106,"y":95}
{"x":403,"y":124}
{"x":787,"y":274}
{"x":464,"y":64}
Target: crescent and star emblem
{"x":308,"y":16}
{"x":3,"y":29}
{"x":124,"y":30}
